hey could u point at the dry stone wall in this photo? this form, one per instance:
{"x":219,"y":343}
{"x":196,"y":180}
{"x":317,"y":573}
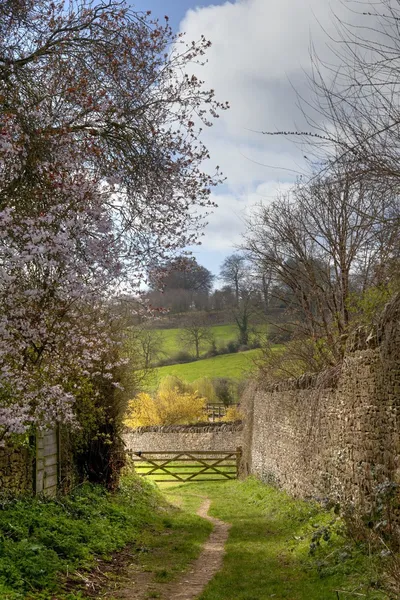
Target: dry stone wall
{"x":210,"y":436}
{"x":333,"y":436}
{"x":31,"y":469}
{"x":16,"y":470}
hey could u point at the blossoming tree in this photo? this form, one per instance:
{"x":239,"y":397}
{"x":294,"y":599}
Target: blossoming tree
{"x":100,"y":175}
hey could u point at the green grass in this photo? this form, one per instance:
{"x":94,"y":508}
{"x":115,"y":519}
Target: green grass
{"x":267,"y":553}
{"x":43,"y":540}
{"x":222,"y":334}
{"x":235,"y":366}
{"x":268,"y":550}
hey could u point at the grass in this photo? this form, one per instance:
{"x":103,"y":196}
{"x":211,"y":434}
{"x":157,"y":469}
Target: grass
{"x":41,"y":541}
{"x":268,"y":551}
{"x":45,"y":544}
{"x":222,"y":334}
{"x":235,"y":366}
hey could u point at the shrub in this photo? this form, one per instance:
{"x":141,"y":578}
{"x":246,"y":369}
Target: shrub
{"x":165,"y":408}
{"x":172,"y":383}
{"x":182,"y":357}
{"x":233,"y":413}
{"x":232,"y":347}
{"x":222,"y":350}
{"x":94,"y":450}
{"x":205,"y":388}
{"x":224,"y":390}
{"x":212,"y":351}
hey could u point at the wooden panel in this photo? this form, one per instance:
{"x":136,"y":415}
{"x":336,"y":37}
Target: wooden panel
{"x":51,"y":460}
{"x":47,"y":462}
{"x":50,"y":481}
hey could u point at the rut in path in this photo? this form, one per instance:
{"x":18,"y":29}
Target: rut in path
{"x":190,"y":585}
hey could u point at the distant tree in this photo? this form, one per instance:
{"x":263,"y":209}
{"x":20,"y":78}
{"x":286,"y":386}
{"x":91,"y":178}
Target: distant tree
{"x":223,"y":299}
{"x":182,"y":284}
{"x":195,"y":334}
{"x":241,"y":277}
{"x":150,"y":345}
{"x":248,"y":306}
{"x":233,"y":272}
{"x":182,"y":273}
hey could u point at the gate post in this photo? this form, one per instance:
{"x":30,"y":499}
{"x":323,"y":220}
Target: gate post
{"x":239,"y":453}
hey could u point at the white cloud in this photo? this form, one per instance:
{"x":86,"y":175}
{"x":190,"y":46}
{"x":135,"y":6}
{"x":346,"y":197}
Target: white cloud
{"x":227,"y":223}
{"x":260,"y":49}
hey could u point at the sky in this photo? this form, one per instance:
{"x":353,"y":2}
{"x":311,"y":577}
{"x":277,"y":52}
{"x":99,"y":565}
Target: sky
{"x":258,"y":61}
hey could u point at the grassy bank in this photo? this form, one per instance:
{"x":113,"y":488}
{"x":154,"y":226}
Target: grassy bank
{"x":222,"y":335}
{"x":268,"y":551}
{"x":48,"y":547}
{"x":235,"y":366}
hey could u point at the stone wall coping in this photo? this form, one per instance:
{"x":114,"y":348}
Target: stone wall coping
{"x":197,"y":428}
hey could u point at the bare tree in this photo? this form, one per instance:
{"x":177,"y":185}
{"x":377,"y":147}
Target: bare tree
{"x":357,"y":101}
{"x":321,"y":243}
{"x":233,"y":272}
{"x":150,"y":343}
{"x":354,"y":111}
{"x":248,"y":306}
{"x":195,"y":334}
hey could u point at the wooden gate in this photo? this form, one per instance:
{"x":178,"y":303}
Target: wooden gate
{"x":187,"y":465}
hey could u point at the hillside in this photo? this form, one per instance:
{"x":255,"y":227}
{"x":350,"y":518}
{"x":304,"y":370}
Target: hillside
{"x":236,"y":366}
{"x":171,"y":343}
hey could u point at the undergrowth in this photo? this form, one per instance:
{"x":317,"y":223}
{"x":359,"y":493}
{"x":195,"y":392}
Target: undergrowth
{"x":42,"y":541}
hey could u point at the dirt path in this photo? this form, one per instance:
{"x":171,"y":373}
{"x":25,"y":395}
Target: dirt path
{"x":141,"y":586}
{"x":206,"y":566}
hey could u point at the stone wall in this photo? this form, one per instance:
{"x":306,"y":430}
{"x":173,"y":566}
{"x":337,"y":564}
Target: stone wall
{"x":16,"y":470}
{"x":336,"y":435}
{"x":209,"y":436}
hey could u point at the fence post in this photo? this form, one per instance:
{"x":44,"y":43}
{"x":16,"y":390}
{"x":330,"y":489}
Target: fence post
{"x":238,"y":460}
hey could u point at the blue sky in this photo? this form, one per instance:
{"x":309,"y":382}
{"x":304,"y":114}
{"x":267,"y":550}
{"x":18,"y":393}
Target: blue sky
{"x":258,"y":61}
{"x":174,"y":9}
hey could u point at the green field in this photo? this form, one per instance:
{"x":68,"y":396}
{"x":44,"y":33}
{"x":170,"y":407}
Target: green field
{"x":222,"y":334}
{"x":235,"y":366}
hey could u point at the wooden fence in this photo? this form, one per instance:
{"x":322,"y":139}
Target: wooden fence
{"x":215,"y":411}
{"x":185,"y":466}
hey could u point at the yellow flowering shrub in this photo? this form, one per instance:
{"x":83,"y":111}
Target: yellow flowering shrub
{"x":233,"y":413}
{"x":168,"y":407}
